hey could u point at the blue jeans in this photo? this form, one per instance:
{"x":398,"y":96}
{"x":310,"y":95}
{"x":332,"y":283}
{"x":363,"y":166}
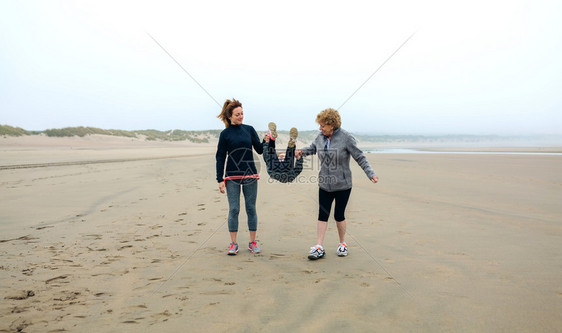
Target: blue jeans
{"x":250,"y":190}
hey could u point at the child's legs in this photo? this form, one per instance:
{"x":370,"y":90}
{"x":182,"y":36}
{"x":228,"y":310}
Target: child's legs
{"x":272,"y":150}
{"x":270,"y":156}
{"x":298,"y":166}
{"x":290,"y":157}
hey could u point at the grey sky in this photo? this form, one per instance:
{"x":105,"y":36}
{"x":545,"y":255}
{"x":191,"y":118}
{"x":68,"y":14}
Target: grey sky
{"x":478,"y":67}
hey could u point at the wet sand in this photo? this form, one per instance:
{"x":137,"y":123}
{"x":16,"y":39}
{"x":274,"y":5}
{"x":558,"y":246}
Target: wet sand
{"x":132,"y":237}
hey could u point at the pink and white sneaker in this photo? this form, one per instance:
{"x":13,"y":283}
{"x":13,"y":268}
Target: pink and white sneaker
{"x":233,"y":249}
{"x":253,"y":247}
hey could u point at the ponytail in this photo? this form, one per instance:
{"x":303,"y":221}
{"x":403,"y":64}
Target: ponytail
{"x":226,"y":112}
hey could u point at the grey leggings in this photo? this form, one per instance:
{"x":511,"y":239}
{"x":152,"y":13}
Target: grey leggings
{"x":250,"y":190}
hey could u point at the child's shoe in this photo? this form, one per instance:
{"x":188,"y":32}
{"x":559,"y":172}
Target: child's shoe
{"x":293,"y":134}
{"x":272,"y":130}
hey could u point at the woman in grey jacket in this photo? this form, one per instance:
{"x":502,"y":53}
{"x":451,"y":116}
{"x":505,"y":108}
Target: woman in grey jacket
{"x":334,"y":147}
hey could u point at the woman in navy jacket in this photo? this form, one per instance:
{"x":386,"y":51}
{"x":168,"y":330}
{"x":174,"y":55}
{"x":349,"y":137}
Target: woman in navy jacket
{"x":235,"y":149}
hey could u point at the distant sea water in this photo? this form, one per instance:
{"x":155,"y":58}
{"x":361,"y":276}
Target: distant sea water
{"x":417,"y":151}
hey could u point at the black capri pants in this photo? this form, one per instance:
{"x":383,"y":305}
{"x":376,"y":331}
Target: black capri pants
{"x":325,"y":200}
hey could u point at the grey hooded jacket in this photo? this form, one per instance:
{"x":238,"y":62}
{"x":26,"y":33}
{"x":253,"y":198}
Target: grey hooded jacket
{"x":335,"y":174}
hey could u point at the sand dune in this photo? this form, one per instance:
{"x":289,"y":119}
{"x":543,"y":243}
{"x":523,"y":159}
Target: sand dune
{"x":457,"y":243}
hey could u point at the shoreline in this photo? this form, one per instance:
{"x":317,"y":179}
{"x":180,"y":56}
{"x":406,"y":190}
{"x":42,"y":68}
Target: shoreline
{"x":474,"y":150}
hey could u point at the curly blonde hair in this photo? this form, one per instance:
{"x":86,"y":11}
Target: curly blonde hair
{"x":329,"y":117}
{"x":226,"y":111}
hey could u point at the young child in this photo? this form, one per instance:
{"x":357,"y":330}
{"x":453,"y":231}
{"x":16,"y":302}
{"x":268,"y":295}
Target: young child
{"x":279,"y":167}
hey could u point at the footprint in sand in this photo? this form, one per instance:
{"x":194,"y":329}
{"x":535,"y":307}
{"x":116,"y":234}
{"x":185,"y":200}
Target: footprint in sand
{"x":17,"y":309}
{"x":24,"y":294}
{"x":56,"y":279}
{"x":93,"y":237}
{"x":162,"y":315}
{"x":67,"y":296}
{"x":276,"y":256}
{"x":201,"y":206}
{"x":19,"y":325}
{"x":217,"y":292}
{"x":41,"y":228}
{"x":90,"y":249}
{"x":27,"y":237}
{"x":105,"y":209}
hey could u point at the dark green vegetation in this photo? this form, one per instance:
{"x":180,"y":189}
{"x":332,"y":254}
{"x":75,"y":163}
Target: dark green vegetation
{"x":6,"y":130}
{"x":150,"y":134}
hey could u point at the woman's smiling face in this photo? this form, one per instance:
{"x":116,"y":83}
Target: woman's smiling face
{"x":327,"y":130}
{"x":237,"y":116}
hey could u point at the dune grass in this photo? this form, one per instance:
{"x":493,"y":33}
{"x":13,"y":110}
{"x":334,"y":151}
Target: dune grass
{"x":6,"y":130}
{"x":148,"y":134}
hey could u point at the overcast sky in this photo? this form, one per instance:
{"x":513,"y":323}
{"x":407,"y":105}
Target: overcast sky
{"x":472,"y":67}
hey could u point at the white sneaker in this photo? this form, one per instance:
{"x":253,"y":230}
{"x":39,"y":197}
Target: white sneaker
{"x":342,"y":250}
{"x":316,"y":252}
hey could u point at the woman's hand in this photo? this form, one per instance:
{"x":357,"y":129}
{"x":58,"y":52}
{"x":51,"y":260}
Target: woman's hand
{"x":222,"y":187}
{"x":298,"y":154}
{"x":375,"y":179}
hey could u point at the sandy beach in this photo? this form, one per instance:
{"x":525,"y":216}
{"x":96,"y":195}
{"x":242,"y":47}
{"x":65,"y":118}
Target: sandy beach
{"x":109,"y":235}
